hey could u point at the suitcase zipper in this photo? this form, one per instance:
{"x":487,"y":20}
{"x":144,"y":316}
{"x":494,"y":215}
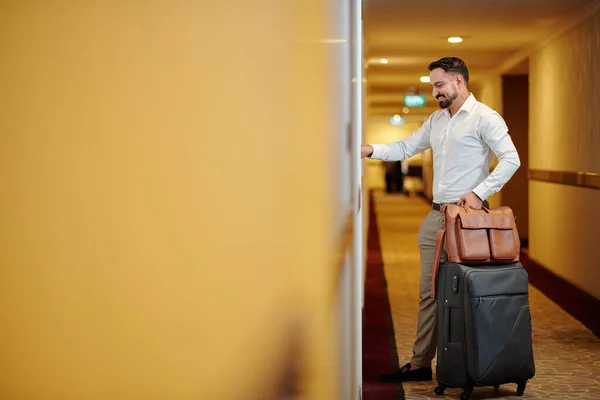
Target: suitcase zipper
{"x":468,"y":328}
{"x":480,"y":298}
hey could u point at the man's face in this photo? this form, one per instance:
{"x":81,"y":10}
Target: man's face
{"x":445,"y":87}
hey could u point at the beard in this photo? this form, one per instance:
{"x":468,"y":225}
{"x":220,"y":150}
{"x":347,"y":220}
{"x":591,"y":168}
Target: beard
{"x":446,"y":102}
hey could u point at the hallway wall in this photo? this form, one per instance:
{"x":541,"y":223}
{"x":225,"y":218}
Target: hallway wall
{"x":490,"y":93}
{"x":167,"y":227}
{"x":564,"y":221}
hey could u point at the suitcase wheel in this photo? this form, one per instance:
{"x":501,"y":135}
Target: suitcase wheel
{"x":521,"y":388}
{"x":466,"y":394}
{"x":439,"y":390}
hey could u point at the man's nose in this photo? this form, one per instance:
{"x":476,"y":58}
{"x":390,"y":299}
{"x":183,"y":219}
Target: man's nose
{"x":434,"y":92}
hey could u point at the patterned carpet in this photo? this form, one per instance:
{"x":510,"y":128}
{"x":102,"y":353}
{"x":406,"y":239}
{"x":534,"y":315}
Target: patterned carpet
{"x":567,"y":354}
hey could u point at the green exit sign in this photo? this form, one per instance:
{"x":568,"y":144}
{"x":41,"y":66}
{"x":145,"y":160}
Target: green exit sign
{"x":414,"y":100}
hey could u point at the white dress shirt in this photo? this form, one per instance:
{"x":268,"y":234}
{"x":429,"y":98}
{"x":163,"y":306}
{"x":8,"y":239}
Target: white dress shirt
{"x":462,"y":151}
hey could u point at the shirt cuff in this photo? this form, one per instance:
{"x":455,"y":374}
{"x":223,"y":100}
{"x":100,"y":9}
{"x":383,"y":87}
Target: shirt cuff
{"x":482,"y":192}
{"x":378,"y":151}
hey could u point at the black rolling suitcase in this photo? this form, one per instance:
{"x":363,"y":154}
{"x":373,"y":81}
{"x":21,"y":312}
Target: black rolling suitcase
{"x":484,"y":327}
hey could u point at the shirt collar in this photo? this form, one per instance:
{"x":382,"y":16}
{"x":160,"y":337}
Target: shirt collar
{"x":467,"y":106}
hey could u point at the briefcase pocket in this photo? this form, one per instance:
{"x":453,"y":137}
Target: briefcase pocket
{"x":474,"y":244}
{"x":502,"y":244}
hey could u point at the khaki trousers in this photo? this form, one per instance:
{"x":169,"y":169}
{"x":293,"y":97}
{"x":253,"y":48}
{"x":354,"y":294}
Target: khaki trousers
{"x":425,"y":345}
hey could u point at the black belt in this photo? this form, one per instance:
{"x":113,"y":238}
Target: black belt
{"x":438,"y":206}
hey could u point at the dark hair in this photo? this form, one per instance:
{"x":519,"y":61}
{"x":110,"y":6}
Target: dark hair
{"x":452,"y":65}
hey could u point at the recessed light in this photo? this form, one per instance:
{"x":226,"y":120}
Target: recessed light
{"x":455,"y":39}
{"x":397,"y":120}
{"x":425,"y":79}
{"x":383,"y":61}
{"x":405,"y":110}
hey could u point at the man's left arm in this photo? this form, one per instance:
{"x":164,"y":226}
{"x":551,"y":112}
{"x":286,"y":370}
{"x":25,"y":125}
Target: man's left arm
{"x":494,"y":133}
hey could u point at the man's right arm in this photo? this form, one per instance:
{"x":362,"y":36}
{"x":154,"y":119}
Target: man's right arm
{"x":399,"y":151}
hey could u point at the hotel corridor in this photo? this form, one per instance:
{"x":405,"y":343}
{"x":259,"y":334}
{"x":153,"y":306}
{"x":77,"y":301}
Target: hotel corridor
{"x":567,"y":354}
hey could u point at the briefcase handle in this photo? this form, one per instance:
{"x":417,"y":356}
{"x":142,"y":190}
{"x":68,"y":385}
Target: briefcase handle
{"x":468,"y":209}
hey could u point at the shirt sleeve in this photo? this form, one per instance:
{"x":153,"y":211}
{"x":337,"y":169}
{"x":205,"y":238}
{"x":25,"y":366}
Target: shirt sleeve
{"x":494,"y":133}
{"x":399,"y":151}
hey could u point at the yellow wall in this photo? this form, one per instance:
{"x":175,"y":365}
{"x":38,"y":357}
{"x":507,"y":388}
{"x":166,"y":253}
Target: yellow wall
{"x":166,"y":226}
{"x":564,"y":221}
{"x":490,"y":93}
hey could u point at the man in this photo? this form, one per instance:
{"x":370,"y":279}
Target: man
{"x":394,"y":177}
{"x":389,"y":170}
{"x":463,"y":136}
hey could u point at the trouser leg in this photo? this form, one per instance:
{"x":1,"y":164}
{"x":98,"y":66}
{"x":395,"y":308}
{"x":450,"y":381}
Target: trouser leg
{"x":426,"y":342}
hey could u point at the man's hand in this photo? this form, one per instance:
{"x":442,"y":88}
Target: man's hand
{"x":472,"y":201}
{"x":366,"y":150}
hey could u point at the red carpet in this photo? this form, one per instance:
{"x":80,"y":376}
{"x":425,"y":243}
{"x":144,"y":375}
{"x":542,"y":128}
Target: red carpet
{"x":379,"y":344}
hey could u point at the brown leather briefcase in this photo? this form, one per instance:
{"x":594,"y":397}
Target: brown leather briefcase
{"x":476,"y":237}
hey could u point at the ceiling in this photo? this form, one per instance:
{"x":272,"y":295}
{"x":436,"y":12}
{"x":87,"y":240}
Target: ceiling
{"x":497,"y":37}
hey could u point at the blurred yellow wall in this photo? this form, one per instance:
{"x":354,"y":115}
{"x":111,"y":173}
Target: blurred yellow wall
{"x":167,"y":228}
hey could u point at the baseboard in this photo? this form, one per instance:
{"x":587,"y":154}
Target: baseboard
{"x":580,"y":304}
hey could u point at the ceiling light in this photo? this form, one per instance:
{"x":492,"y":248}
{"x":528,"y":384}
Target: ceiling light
{"x":455,"y":39}
{"x":405,"y":110}
{"x":383,"y":61}
{"x":425,"y":79}
{"x":397,"y":120}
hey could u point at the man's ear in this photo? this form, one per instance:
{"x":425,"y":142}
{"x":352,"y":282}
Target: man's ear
{"x":460,"y":80}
